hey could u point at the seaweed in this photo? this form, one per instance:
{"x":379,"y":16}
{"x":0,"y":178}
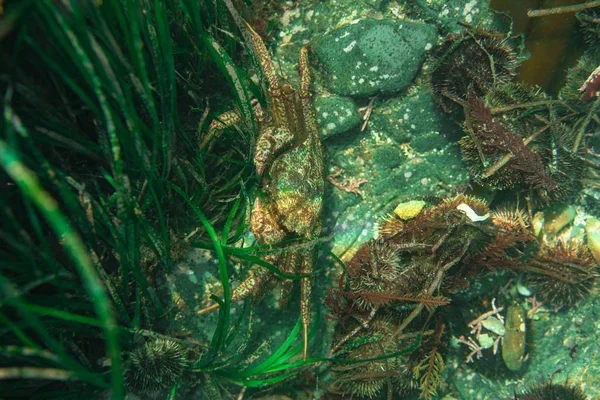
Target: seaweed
{"x":102,"y":111}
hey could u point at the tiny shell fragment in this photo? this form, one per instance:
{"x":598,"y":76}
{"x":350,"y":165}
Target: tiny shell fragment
{"x":513,"y":346}
{"x":469,"y":212}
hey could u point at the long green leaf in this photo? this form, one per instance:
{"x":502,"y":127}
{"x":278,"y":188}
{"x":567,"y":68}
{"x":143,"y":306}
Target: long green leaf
{"x":29,"y":185}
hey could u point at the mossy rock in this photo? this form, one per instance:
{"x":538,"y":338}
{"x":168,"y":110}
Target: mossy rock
{"x":335,"y":115}
{"x":373,"y":56}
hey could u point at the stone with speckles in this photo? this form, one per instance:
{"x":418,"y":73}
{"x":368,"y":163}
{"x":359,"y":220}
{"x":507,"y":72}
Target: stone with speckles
{"x":373,"y":56}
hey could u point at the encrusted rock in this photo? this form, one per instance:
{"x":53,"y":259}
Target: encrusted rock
{"x":373,"y":56}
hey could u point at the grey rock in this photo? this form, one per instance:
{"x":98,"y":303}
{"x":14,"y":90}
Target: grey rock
{"x":373,"y":56}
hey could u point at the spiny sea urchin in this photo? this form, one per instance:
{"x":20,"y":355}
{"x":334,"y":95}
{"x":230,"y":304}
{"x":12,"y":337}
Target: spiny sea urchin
{"x":470,"y":62}
{"x":156,"y":365}
{"x":377,"y":273}
{"x":512,"y":235}
{"x":563,"y":273}
{"x":552,"y":391}
{"x":367,"y":379}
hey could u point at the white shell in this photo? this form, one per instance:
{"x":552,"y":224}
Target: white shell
{"x":472,"y":214}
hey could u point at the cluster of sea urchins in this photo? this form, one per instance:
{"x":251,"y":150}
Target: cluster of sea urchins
{"x":425,"y":251}
{"x":422,"y":255}
{"x":514,"y":138}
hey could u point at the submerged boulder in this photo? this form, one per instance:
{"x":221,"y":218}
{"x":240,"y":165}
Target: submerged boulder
{"x":373,"y":56}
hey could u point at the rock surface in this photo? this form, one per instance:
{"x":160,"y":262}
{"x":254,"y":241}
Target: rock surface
{"x":373,"y":56}
{"x":335,"y":115}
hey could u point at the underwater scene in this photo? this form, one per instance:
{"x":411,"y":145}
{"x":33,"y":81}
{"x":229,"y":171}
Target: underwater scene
{"x":302,"y":199}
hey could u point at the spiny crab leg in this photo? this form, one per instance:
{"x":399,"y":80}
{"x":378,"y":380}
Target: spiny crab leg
{"x":229,"y":119}
{"x":310,"y":120}
{"x":274,"y":88}
{"x":269,"y":144}
{"x":251,"y":283}
{"x":305,"y":291}
{"x":266,"y":230}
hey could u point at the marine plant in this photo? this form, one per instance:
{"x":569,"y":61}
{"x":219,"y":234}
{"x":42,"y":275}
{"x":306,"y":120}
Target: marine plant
{"x":103,"y":109}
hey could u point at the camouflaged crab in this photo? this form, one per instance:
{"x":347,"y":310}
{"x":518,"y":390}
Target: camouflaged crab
{"x":290,"y":168}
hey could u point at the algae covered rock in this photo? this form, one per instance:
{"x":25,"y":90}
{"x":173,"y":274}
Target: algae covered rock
{"x":335,"y":115}
{"x":373,"y":56}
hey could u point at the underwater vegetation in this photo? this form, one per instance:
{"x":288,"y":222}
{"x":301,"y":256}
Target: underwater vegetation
{"x":102,"y":165}
{"x":119,"y":156}
{"x":289,"y":162}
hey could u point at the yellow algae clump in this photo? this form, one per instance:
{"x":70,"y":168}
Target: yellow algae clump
{"x":592,"y":233}
{"x":409,"y":209}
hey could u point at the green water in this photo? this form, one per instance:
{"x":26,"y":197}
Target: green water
{"x":428,"y":213}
